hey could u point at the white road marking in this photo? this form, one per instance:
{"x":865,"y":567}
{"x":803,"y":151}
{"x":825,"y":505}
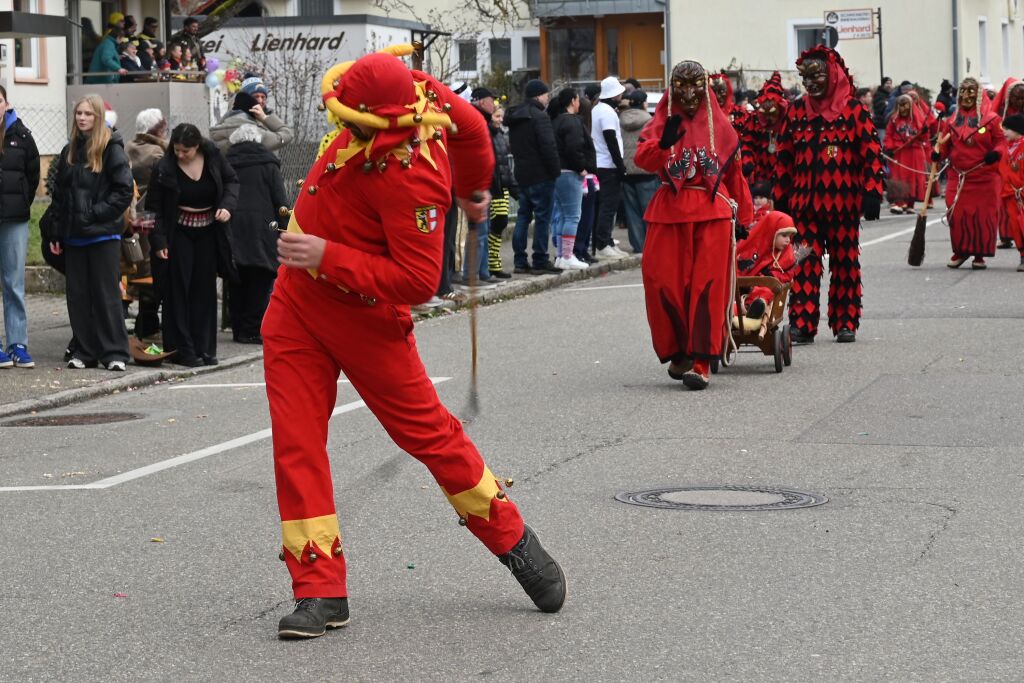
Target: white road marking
{"x":182,"y":459}
{"x":243,"y":385}
{"x":588,"y":289}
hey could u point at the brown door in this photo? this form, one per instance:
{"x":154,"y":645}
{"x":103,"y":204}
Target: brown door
{"x":640,"y":44}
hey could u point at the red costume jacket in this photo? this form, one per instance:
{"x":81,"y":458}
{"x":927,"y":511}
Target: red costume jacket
{"x":906,"y":141}
{"x":386,"y":241}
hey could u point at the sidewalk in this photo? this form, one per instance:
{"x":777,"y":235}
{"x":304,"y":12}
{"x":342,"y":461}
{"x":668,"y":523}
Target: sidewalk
{"x":50,"y":384}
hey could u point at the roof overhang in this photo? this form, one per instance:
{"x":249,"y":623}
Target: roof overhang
{"x":28,"y":25}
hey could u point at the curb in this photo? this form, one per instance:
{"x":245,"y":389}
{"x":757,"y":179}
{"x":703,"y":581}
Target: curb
{"x":527,"y":285}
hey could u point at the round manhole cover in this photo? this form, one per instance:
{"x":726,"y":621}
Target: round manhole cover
{"x":71,"y":419}
{"x":723,"y":498}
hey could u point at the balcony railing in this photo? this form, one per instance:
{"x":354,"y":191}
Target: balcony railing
{"x":582,"y":8}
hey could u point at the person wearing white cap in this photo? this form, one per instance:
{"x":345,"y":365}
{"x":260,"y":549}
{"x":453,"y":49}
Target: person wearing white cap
{"x":606,"y":132}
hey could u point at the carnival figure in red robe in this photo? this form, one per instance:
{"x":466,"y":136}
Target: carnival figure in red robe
{"x":906,"y":137}
{"x":973,"y":141}
{"x":1009,"y":102}
{"x":688,"y":261}
{"x":830,"y":172}
{"x":1011,"y":168}
{"x":761,"y":132}
{"x":767,"y":251}
{"x":363,"y":243}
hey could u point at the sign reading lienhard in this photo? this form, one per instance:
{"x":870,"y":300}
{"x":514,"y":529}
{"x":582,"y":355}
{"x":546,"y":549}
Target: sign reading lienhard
{"x":852,"y":24}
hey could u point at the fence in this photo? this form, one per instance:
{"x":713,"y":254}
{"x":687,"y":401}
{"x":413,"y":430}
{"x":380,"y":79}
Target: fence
{"x":48,"y":123}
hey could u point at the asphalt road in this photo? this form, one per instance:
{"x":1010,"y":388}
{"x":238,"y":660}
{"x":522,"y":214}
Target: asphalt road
{"x":911,"y":572}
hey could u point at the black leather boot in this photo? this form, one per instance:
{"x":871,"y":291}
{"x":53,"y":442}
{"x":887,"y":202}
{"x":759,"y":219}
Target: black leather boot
{"x":537,"y":572}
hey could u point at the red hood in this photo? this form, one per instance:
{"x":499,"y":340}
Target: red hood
{"x":1002,"y":100}
{"x":840,"y":85}
{"x":759,"y":246}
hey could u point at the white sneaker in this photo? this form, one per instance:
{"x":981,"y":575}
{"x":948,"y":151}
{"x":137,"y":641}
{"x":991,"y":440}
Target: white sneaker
{"x":76,"y":364}
{"x":609,"y":252}
{"x":571,"y":263}
{"x":621,"y":253}
{"x":116,"y":366}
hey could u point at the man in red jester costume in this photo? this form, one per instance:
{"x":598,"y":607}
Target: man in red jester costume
{"x":829,"y":171}
{"x":363,"y":243}
{"x":761,"y":132}
{"x":689,"y":259}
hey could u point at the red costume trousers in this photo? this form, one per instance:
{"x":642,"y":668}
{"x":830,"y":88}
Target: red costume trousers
{"x":840,"y":237}
{"x":687,"y":286}
{"x":311,"y":333}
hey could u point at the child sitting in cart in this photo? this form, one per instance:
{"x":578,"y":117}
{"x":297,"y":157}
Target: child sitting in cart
{"x":767,"y":251}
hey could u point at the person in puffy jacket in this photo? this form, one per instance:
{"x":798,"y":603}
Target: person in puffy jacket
{"x":500,"y":201}
{"x":19,"y":178}
{"x":576,"y":158}
{"x":93,"y":190}
{"x":638,"y":186}
{"x":536,"y":167}
{"x":253,"y":239}
{"x":250,"y":106}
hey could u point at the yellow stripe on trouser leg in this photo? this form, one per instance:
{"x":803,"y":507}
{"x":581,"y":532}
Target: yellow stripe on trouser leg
{"x":296,"y":534}
{"x":477,"y":500}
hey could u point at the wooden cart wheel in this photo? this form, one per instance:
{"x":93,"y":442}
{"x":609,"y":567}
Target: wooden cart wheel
{"x":787,"y":346}
{"x":714,"y":366}
{"x":779,"y":345}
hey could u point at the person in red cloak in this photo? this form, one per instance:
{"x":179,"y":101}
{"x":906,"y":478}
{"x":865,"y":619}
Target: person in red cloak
{"x":761,"y":132}
{"x":767,"y":251}
{"x":688,"y":259}
{"x":1009,"y":102}
{"x":1011,"y":169}
{"x":829,"y":173}
{"x":905,"y":137}
{"x":973,"y":141}
{"x":364,"y":243}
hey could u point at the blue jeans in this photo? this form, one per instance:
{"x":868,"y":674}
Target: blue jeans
{"x":569,"y":200}
{"x":13,"y":245}
{"x":535,"y":202}
{"x":636,"y":194}
{"x":481,"y":231}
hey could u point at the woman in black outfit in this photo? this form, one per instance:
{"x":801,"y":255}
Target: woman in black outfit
{"x":254,"y":242}
{"x":93,"y":190}
{"x":193,"y":193}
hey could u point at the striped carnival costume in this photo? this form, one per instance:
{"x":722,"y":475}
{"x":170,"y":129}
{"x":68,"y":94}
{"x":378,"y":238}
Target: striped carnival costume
{"x":372,"y":205}
{"x":829,"y":169}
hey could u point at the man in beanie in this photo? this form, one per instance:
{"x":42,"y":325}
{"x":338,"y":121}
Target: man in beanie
{"x":363,"y":243}
{"x":532,"y":139}
{"x":249,"y":106}
{"x":1011,"y":168}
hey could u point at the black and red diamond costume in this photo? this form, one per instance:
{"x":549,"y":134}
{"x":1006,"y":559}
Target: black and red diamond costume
{"x":761,"y":131}
{"x":828,"y":164}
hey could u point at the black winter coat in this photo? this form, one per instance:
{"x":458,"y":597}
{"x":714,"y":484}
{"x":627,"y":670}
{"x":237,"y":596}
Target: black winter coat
{"x":19,"y":173}
{"x":503,"y":162}
{"x":162,"y":199}
{"x":92,"y":204}
{"x":575,"y":148}
{"x":253,"y":240}
{"x":532,"y":140}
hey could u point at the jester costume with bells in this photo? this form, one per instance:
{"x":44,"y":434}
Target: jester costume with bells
{"x":689,"y":258}
{"x":973,"y":141}
{"x":828,"y":171}
{"x":374,"y":205}
{"x":761,"y":131}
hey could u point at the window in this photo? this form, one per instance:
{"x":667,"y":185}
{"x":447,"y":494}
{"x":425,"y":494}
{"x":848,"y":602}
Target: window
{"x":531,"y":53}
{"x":29,"y":53}
{"x":807,"y":37}
{"x":612,"y":41}
{"x":501,"y":54}
{"x":1006,"y":46}
{"x":316,"y":8}
{"x":467,"y":55}
{"x":982,"y":47}
{"x":571,"y":54}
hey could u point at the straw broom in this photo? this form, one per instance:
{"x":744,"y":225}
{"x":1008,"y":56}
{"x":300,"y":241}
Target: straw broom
{"x":915,"y":254}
